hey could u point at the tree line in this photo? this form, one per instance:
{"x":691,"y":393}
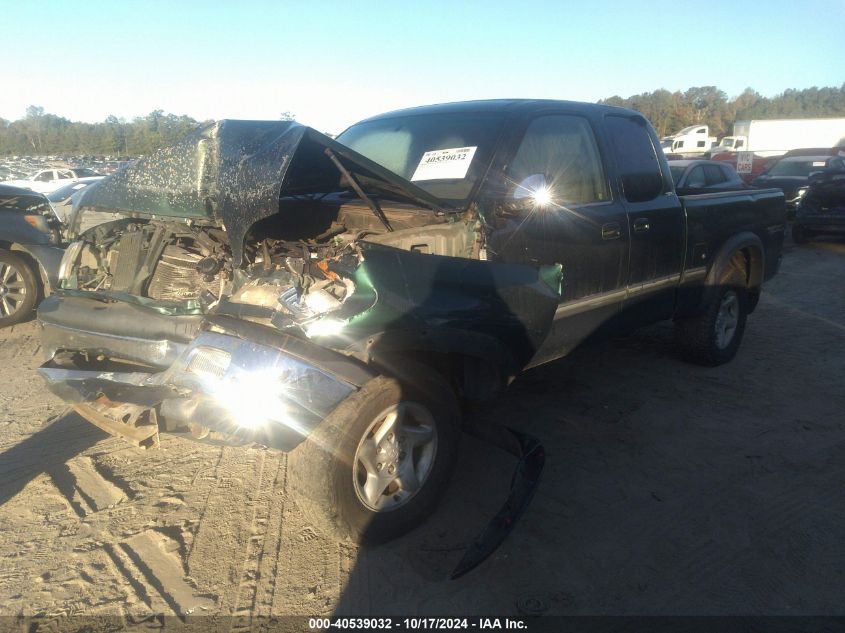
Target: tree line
{"x":41,"y":133}
{"x":671,"y":111}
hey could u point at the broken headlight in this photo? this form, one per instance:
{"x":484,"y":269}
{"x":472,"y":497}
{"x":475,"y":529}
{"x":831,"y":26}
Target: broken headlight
{"x":255,"y":387}
{"x":68,"y":262}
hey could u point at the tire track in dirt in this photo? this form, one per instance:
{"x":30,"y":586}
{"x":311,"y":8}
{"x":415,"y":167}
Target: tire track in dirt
{"x":221,"y":546}
{"x":268,"y":568}
{"x":246,"y":592}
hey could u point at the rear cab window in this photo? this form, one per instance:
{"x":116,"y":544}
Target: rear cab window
{"x":636,"y":158}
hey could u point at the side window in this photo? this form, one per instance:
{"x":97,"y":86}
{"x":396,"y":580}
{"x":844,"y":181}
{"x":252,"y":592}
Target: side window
{"x":64,"y":174}
{"x":639,"y":168}
{"x":561,"y":148}
{"x":696,"y":178}
{"x":700,"y":143}
{"x":739,"y":144}
{"x":701,"y":131}
{"x":44,"y":176}
{"x":714,"y":175}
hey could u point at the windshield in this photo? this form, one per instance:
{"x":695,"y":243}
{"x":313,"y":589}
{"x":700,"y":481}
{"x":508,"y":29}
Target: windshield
{"x":677,"y":172}
{"x":800,"y":167}
{"x":445,"y":154}
{"x":63,"y":193}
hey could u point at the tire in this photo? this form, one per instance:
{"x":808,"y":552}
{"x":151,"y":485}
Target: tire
{"x":713,"y":337}
{"x":799,"y":235}
{"x":331,"y":472}
{"x":19,"y":289}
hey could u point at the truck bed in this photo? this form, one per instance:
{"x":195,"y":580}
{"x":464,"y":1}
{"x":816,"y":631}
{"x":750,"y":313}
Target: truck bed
{"x":714,"y":218}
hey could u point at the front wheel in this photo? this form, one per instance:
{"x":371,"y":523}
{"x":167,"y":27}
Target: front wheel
{"x":377,"y":466}
{"x":18,"y":289}
{"x":713,"y":337}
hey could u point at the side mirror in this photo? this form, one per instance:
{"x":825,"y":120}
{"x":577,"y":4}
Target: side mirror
{"x":532,"y":193}
{"x":530,"y":187}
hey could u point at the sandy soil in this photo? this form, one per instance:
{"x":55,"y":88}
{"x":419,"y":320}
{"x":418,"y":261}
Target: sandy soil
{"x":669,"y":489}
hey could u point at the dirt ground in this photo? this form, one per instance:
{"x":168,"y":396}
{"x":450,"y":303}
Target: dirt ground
{"x":668,"y":489}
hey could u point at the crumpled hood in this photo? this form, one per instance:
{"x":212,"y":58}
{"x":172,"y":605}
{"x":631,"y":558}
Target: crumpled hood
{"x":236,"y":171}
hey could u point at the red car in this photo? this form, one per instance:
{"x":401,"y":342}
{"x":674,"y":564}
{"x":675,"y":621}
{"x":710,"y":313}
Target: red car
{"x":759,"y":164}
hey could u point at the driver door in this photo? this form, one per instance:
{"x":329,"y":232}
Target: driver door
{"x":582,"y":227}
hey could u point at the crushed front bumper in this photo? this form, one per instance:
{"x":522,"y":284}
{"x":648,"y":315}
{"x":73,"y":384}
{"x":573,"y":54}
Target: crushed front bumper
{"x":220,"y":386}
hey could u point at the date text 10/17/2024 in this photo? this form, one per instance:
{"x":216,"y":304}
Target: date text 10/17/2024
{"x":416,"y":624}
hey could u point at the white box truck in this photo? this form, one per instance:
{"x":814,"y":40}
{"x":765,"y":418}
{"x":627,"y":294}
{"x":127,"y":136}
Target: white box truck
{"x":772,"y":137}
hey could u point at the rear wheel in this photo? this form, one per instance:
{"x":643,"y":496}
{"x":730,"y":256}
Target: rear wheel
{"x":18,"y":289}
{"x":713,"y":337}
{"x":377,"y":466}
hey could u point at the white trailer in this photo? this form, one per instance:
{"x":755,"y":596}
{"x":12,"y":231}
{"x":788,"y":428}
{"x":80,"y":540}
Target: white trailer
{"x":771,"y":137}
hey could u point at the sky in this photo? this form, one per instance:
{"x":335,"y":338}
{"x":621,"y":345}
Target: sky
{"x":333,"y":63}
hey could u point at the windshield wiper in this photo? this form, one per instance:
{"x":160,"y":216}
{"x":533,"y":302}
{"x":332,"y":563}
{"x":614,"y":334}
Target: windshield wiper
{"x":358,"y":190}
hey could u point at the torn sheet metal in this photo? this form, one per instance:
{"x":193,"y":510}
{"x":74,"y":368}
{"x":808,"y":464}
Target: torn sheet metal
{"x":235,"y":172}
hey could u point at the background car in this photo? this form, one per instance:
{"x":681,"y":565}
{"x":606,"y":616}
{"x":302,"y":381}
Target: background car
{"x":791,"y":175}
{"x":704,"y":176}
{"x":48,"y":180}
{"x":30,"y":252}
{"x":61,"y":198}
{"x":822,"y":209}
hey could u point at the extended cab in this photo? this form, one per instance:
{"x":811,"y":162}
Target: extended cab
{"x":260,"y":282}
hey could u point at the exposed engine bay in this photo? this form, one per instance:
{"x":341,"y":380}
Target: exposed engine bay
{"x":287,"y":280}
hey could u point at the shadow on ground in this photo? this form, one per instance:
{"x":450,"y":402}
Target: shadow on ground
{"x":45,"y":451}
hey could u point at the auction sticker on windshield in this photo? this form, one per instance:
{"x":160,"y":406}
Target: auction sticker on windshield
{"x":444,"y":164}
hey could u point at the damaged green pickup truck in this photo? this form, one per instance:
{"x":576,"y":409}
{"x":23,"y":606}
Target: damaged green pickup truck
{"x":340,"y":300}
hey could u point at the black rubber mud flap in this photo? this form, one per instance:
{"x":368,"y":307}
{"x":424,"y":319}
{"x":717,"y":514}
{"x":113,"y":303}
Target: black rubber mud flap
{"x":524,"y":482}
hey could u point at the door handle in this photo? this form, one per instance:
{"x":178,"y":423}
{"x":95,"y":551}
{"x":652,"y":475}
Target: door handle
{"x":611,"y":231}
{"x":641,"y":225}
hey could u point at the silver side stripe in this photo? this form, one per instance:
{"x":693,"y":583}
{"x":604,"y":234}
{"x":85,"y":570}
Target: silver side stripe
{"x":694,"y":273}
{"x":614,"y":296}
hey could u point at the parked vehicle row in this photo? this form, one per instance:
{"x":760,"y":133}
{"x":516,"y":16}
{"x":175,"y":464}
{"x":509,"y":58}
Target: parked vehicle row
{"x":790,"y":173}
{"x":47,"y":180}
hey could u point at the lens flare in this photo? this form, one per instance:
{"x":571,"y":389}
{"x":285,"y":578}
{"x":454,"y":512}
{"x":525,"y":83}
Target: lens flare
{"x":325,"y":327}
{"x":254,"y":399}
{"x":542,"y":197}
